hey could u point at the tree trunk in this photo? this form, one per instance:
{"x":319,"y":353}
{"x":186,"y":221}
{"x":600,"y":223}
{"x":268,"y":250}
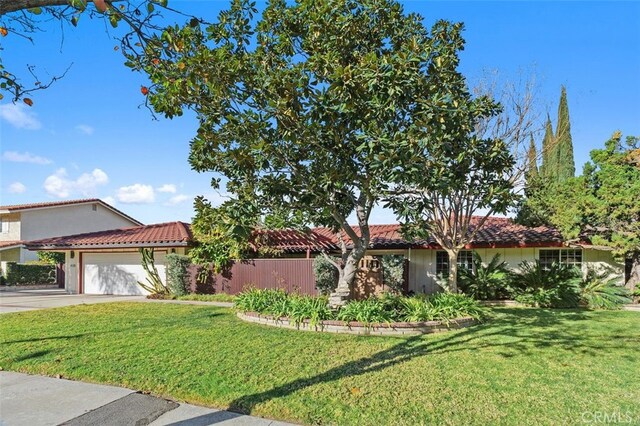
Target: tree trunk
{"x":634,"y":276}
{"x":348,"y":272}
{"x":452,"y":280}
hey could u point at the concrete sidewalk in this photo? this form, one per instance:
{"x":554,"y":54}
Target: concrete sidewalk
{"x":35,"y":400}
{"x":28,"y":300}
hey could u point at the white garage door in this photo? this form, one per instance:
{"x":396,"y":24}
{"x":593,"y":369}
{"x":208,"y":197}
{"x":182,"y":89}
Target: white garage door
{"x":117,"y":273}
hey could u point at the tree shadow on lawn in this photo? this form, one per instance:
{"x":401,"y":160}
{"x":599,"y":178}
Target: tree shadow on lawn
{"x":513,"y":332}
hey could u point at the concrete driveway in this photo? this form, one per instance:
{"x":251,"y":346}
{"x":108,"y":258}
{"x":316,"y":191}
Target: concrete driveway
{"x":29,"y":300}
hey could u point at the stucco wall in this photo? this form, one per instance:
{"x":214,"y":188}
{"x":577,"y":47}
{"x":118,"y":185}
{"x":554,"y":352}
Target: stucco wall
{"x":13,"y":227}
{"x":11,"y":255}
{"x":69,"y":220}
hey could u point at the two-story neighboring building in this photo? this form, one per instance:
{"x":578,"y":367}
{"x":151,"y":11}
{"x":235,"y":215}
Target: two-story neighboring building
{"x":26,"y":222}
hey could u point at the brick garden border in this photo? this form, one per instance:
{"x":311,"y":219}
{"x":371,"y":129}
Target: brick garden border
{"x":374,"y":329}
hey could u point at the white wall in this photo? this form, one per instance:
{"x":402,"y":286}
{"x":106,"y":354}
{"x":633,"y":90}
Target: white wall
{"x":422,"y":263}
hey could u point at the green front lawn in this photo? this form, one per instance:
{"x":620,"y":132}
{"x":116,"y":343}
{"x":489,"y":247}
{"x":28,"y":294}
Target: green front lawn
{"x":525,"y":366}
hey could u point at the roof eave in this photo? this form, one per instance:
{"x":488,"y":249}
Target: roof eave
{"x":68,"y":247}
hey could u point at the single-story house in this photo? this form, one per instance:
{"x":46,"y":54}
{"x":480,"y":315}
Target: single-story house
{"x":109,"y":262}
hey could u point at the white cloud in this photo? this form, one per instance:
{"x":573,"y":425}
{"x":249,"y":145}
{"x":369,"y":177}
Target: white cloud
{"x":17,"y":188}
{"x":19,"y":116}
{"x":177,"y":199}
{"x":24,"y":157}
{"x":59,"y":184}
{"x":136,"y":194}
{"x":85,"y":129}
{"x":109,"y":200}
{"x":168,"y":187}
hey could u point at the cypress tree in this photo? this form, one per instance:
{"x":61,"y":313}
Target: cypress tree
{"x":565,"y":164}
{"x":532,"y":162}
{"x":549,"y":168}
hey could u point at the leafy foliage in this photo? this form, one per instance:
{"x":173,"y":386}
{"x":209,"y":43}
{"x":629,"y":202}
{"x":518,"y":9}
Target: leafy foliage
{"x":555,"y":287}
{"x":485,"y":282}
{"x":393,"y":271}
{"x":51,"y":257}
{"x":19,"y":20}
{"x":385,"y":309}
{"x":178,"y":274}
{"x":221,"y":233}
{"x":601,"y":205}
{"x":153,"y":284}
{"x":29,"y":274}
{"x":308,"y":111}
{"x":365,"y":311}
{"x":326,"y":274}
{"x":600,"y":291}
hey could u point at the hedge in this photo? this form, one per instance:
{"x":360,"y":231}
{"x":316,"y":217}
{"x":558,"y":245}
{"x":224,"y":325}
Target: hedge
{"x":29,"y":274}
{"x":177,"y":274}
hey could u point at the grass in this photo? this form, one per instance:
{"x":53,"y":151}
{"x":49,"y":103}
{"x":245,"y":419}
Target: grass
{"x":524,"y":366}
{"x":218,"y":297}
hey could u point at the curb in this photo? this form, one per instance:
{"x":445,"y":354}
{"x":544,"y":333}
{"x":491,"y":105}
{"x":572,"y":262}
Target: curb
{"x":374,"y":329}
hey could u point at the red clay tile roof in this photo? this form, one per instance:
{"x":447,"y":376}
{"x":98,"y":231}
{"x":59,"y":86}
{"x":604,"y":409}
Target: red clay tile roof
{"x":7,"y":244}
{"x":497,"y":232}
{"x":21,"y":207}
{"x":172,"y":234}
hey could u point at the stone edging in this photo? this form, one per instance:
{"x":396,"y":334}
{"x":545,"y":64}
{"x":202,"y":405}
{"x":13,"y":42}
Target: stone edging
{"x":505,"y":303}
{"x":376,"y":329}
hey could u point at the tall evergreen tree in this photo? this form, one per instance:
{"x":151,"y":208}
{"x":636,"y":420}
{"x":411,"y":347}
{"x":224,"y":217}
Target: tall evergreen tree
{"x":532,"y":162}
{"x":549,"y":166}
{"x":564,"y":152}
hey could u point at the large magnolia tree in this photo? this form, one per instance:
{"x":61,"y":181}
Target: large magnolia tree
{"x":309,"y":109}
{"x":28,"y":19}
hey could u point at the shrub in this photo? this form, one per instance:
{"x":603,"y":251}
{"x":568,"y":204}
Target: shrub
{"x":555,"y":287}
{"x":178,"y":274}
{"x":153,"y":284}
{"x":257,"y":300}
{"x":488,"y":282}
{"x":366,"y":311}
{"x":393,"y":271}
{"x":443,"y":306}
{"x":326,"y":274}
{"x":51,"y":257}
{"x":30,"y":274}
{"x":599,"y":291}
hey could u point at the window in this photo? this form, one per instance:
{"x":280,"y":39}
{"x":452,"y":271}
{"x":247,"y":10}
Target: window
{"x":4,"y":226}
{"x":465,"y":260}
{"x":442,"y":263}
{"x":572,"y":257}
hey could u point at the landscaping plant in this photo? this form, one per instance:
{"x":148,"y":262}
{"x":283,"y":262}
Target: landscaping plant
{"x":557,"y":286}
{"x":326,"y":274}
{"x":365,"y":311}
{"x":600,"y":291}
{"x":384,"y":309}
{"x":393,"y":271}
{"x":488,"y":282}
{"x":178,"y":274}
{"x":154,"y":284}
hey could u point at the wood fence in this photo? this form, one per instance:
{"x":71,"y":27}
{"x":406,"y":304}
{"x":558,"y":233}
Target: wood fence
{"x":291,"y":275}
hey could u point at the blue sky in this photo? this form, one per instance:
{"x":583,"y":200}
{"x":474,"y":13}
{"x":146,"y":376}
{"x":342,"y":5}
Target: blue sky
{"x":89,"y":136}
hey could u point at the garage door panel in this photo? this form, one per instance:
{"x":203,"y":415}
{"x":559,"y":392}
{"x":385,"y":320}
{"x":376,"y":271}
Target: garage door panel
{"x":117,"y":273}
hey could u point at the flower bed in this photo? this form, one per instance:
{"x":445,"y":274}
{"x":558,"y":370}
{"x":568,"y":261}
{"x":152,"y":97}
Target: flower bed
{"x":388,"y":314}
{"x":354,"y":327}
